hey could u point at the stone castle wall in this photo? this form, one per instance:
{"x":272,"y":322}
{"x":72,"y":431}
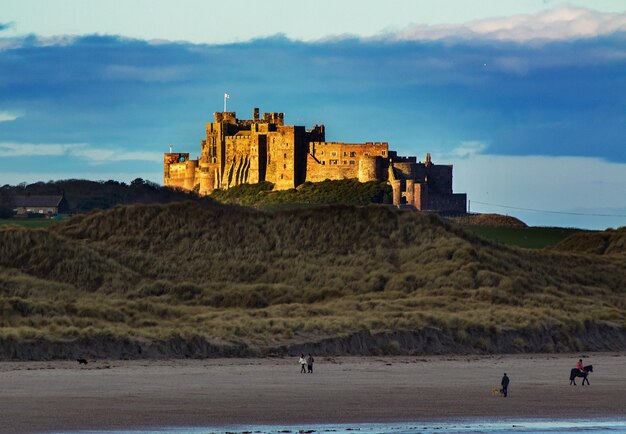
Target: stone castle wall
{"x":237,"y":152}
{"x":338,"y":160}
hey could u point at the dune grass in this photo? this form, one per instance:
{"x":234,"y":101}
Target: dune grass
{"x":609,"y":242}
{"x":268,"y":279}
{"x":29,"y":223}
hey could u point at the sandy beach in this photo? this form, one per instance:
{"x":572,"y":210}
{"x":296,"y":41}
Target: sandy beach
{"x":55,"y":396}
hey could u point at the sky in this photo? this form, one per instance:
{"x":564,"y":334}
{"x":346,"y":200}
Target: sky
{"x":526,"y":98}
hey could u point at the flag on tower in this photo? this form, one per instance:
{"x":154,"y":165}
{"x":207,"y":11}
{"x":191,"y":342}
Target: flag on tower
{"x":226,"y":96}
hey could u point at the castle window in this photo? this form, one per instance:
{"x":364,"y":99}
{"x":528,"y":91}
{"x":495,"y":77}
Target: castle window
{"x":384,"y":153}
{"x":353,"y":154}
{"x":284,"y":166}
{"x":333,"y":154}
{"x":345,"y":154}
{"x":333,"y":162}
{"x":284,"y":155}
{"x":351,"y":161}
{"x":345,"y":162}
{"x":323,"y":163}
{"x":281,"y":176}
{"x":321,"y":152}
{"x":367,"y":154}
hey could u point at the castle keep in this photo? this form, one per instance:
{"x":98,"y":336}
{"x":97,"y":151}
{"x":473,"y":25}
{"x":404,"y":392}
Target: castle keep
{"x":265,"y":149}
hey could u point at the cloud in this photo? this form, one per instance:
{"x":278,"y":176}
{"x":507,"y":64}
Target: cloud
{"x":78,"y":150}
{"x":467,"y":149}
{"x":99,"y":106}
{"x":559,"y":23}
{"x":4,"y":26}
{"x":35,"y":150}
{"x":555,"y":98}
{"x":8,"y":116}
{"x":100,"y":156}
{"x":144,"y":73}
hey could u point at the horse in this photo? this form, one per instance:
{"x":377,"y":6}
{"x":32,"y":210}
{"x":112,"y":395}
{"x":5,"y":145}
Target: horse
{"x":576,"y":373}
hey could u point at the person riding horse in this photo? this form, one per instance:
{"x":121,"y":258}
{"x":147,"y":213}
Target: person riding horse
{"x":576,"y":372}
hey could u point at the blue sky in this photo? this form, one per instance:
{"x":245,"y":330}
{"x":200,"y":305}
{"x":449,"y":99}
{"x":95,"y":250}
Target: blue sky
{"x":526,"y":98}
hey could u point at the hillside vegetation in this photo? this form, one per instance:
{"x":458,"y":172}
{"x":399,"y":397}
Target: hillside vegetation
{"x":192,"y":280}
{"x":83,"y":195}
{"x":609,"y":242}
{"x":345,"y":192}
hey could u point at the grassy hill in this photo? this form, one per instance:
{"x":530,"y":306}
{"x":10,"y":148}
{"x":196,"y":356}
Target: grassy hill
{"x":192,"y":280}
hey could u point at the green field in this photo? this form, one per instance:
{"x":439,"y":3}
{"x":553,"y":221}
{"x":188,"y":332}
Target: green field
{"x":529,"y":238}
{"x":30,"y":223}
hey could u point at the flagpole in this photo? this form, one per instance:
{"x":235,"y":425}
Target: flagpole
{"x":226,"y":96}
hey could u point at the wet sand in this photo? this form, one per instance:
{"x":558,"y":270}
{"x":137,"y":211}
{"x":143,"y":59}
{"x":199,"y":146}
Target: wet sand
{"x":55,"y":396}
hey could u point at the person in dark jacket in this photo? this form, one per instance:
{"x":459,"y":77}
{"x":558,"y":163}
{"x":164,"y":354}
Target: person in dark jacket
{"x":309,"y":362}
{"x":505,"y":385}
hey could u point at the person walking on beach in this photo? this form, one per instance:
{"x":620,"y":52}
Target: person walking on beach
{"x":302,"y":362}
{"x":505,"y":385}
{"x":309,"y":362}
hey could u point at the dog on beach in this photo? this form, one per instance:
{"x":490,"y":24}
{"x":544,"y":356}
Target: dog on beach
{"x":81,"y":361}
{"x":496,"y":392}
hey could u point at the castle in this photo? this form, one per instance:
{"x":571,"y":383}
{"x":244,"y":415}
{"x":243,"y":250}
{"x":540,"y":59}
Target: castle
{"x":265,"y":149}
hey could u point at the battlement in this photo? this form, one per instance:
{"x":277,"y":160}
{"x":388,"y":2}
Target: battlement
{"x":396,"y":159}
{"x":230,"y":117}
{"x":366,"y":144}
{"x":275,"y":119}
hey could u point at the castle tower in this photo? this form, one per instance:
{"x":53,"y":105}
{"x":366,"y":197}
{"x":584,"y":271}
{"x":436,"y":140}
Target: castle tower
{"x":174,"y":172}
{"x":369,"y":168}
{"x":190,"y":174}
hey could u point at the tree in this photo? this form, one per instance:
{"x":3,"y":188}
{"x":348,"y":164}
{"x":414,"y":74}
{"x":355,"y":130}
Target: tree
{"x":6,"y":204}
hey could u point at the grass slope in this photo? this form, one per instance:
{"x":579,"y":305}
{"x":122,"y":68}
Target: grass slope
{"x":526,"y":237}
{"x":609,"y":242}
{"x":192,"y":274}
